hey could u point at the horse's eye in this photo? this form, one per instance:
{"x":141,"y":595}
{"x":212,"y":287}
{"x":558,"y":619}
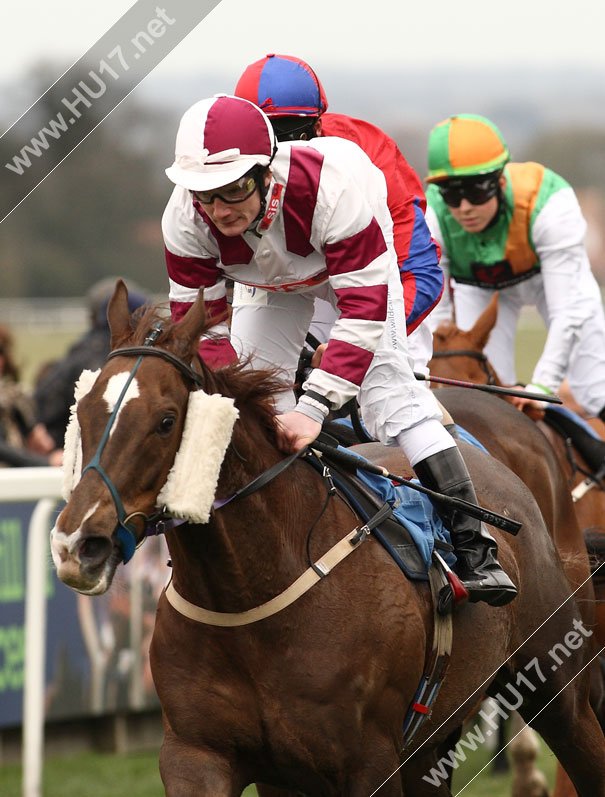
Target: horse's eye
{"x":166,"y":425}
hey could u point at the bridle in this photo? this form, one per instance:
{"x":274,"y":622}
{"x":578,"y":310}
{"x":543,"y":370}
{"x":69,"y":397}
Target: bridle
{"x":474,"y":355}
{"x":157,"y":523}
{"x":160,"y":522}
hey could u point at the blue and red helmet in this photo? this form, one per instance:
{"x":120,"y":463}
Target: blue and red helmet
{"x":282,"y":85}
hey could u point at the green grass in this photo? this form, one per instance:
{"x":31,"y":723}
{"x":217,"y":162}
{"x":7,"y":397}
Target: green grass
{"x":136,"y":775}
{"x":35,"y":349}
{"x":529,"y":345}
{"x":472,"y":780}
{"x":95,"y":775}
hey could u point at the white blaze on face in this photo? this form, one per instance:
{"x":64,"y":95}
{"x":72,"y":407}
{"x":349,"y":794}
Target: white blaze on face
{"x":113,"y":390}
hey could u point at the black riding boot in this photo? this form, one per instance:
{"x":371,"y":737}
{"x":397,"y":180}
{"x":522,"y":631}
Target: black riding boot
{"x":476,"y":550}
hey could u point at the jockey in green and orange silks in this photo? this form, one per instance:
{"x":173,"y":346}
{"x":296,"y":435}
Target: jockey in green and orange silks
{"x":516,"y":228}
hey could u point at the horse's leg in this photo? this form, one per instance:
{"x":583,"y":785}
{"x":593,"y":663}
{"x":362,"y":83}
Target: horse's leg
{"x":563,"y":785}
{"x":570,"y":728}
{"x":193,"y":772}
{"x":423,"y":777}
{"x":500,"y":762}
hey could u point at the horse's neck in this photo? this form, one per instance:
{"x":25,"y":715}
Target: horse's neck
{"x":252,"y":545}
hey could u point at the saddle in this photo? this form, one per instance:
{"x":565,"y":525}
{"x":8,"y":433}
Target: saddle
{"x":398,"y":534}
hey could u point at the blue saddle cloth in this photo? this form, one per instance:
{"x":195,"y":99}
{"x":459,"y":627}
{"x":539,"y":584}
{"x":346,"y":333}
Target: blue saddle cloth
{"x":412,"y":509}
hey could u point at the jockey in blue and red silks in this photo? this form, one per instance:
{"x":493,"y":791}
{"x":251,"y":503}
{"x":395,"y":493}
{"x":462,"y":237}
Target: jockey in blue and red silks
{"x":289,"y":92}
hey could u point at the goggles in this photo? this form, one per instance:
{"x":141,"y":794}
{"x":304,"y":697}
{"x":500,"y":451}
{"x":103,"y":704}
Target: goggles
{"x":294,"y":128}
{"x":477,"y":192}
{"x":234,"y":192}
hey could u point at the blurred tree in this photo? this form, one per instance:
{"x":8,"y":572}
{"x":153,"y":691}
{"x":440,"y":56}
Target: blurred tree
{"x":97,"y":213}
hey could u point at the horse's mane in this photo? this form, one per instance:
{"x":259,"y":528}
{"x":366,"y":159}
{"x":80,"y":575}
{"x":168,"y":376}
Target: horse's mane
{"x":253,"y":390}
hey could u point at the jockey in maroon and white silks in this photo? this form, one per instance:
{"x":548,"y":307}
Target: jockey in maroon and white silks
{"x":298,"y":221}
{"x":317,"y":237}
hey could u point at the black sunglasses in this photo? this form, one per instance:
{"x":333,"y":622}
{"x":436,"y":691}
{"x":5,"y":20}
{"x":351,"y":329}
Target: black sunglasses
{"x":288,"y":128}
{"x":477,"y":192}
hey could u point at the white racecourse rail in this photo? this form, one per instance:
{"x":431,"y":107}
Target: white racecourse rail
{"x":42,"y":485}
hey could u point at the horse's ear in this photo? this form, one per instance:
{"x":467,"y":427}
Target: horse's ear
{"x":485,"y":323}
{"x":118,"y":314}
{"x":442,"y":333}
{"x":192,"y":324}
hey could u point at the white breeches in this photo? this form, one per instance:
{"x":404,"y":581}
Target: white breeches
{"x":586,"y":369}
{"x":270,"y":328}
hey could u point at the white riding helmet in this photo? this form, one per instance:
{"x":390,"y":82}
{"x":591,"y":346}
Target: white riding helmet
{"x":218,"y":141}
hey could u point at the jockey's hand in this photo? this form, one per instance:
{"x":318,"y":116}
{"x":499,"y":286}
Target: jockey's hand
{"x":295,"y":431}
{"x":531,"y":407}
{"x":317,"y":355}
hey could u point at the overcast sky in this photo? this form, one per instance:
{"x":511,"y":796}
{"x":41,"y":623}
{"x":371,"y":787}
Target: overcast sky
{"x":327,"y":33}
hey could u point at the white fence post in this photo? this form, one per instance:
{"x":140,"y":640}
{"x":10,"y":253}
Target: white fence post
{"x":44,"y":486}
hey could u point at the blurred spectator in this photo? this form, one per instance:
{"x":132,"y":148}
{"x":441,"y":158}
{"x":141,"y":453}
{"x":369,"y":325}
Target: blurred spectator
{"x":23,"y":442}
{"x":54,"y":392}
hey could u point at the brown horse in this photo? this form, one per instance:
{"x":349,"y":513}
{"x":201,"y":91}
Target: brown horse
{"x":310,"y":698}
{"x":458,"y":354}
{"x":538,"y":455}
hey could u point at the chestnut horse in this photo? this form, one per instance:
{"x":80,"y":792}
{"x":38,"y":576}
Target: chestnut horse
{"x":310,"y":698}
{"x":538,"y":456}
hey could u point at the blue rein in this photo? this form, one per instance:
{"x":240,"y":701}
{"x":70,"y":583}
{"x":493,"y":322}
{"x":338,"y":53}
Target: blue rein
{"x":124,"y":532}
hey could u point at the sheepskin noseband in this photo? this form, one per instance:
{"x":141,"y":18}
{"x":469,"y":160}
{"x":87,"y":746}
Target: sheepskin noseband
{"x":191,"y":484}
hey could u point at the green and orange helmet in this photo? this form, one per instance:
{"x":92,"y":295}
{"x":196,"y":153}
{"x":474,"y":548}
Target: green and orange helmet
{"x":465,"y":145}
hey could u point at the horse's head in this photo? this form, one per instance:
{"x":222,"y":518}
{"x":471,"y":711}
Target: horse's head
{"x":458,"y":354}
{"x":126,"y":434}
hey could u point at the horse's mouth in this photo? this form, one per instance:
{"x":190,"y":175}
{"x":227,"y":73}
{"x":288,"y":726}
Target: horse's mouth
{"x":85,"y":576}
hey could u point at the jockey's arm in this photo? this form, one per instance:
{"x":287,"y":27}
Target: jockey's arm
{"x":571,"y":292}
{"x":444,"y":310}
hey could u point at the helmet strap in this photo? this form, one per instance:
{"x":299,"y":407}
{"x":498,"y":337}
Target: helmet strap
{"x":259,"y":179}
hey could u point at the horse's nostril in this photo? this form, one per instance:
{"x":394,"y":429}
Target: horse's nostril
{"x":94,"y":551}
